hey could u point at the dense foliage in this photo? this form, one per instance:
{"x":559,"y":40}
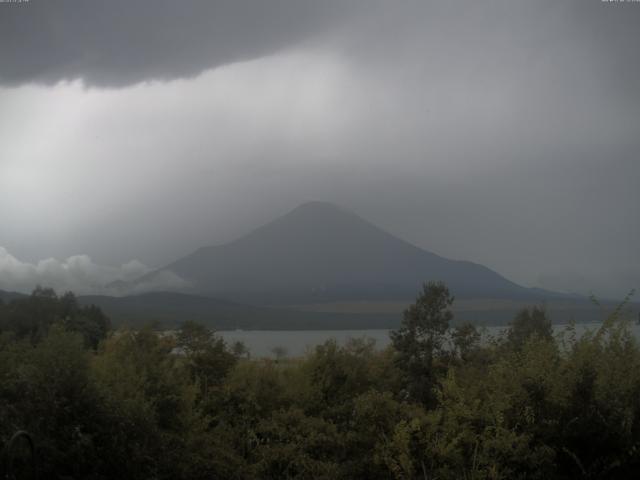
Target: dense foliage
{"x":438,"y":403}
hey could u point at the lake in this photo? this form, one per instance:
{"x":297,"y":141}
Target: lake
{"x":297,"y":342}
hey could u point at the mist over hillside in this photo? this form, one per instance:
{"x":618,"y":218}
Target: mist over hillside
{"x":321,"y":252}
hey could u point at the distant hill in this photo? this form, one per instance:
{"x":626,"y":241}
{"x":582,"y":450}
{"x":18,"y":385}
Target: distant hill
{"x":170,"y":309}
{"x":320,"y":252}
{"x":8,"y":296}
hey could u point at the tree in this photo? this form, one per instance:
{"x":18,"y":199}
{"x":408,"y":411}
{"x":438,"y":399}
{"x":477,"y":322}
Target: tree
{"x":89,"y":320}
{"x":279,"y":352}
{"x":465,"y":338}
{"x":240,"y":350}
{"x":46,"y":389}
{"x":421,"y":337}
{"x":339,"y":373}
{"x":529,"y":322}
{"x":33,"y":316}
{"x":206,"y":355}
{"x":151,"y":401}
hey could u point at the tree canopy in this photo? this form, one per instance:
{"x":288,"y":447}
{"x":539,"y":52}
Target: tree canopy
{"x":439,"y":402}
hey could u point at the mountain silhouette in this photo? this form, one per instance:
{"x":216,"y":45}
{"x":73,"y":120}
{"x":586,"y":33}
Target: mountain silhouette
{"x":321,"y":252}
{"x":6,"y":296}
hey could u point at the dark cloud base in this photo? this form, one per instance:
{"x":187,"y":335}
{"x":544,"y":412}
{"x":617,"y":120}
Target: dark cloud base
{"x":120,"y":42}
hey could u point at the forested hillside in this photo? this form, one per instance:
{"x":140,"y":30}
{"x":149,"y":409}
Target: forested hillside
{"x":436,"y":404}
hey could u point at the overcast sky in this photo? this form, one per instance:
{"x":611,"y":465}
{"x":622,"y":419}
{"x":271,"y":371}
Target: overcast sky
{"x":502,"y":132}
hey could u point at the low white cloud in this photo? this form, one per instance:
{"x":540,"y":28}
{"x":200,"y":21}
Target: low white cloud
{"x":80,"y":274}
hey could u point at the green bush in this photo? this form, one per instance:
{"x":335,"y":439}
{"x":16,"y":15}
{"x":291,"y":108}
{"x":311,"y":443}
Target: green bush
{"x":438,"y":403}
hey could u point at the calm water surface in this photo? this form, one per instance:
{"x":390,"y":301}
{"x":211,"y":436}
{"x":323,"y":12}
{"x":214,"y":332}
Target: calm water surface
{"x":297,"y":342}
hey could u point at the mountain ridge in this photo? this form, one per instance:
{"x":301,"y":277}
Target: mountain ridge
{"x":321,"y":252}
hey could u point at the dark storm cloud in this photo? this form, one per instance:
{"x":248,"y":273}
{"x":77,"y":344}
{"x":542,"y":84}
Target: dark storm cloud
{"x":119,"y":42}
